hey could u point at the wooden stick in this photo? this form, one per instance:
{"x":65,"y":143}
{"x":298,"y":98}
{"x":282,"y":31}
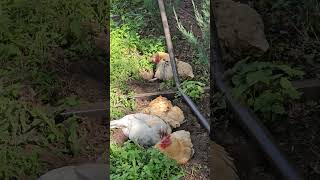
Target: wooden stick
{"x":163,"y":93}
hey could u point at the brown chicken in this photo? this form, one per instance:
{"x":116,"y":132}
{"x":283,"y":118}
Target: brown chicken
{"x":221,"y":163}
{"x":163,"y":108}
{"x":177,"y":146}
{"x":164,"y":70}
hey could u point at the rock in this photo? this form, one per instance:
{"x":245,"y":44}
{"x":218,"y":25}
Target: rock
{"x":82,"y":172}
{"x":240,"y":27}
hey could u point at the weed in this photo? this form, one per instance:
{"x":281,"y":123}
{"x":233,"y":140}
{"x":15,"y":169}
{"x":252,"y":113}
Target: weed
{"x":133,"y":162}
{"x":167,"y":84}
{"x":130,"y":55}
{"x":23,"y":123}
{"x":193,"y":89}
{"x":201,"y":44}
{"x":264,"y":86}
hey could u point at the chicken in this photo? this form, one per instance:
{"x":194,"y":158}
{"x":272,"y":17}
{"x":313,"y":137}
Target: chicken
{"x":164,"y":70}
{"x":177,"y":146}
{"x":163,"y":108}
{"x":222,"y":164}
{"x":146,"y":130}
{"x":239,"y":26}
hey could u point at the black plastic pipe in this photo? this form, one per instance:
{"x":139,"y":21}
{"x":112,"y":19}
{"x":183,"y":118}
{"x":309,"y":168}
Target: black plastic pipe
{"x":203,"y":121}
{"x":246,"y":117}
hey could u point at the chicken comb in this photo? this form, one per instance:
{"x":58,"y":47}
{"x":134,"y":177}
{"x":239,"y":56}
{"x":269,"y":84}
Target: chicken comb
{"x":165,"y":142}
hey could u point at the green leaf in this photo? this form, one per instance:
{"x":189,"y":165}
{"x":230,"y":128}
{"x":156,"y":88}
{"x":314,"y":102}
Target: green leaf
{"x":285,"y":83}
{"x":259,"y":76}
{"x":278,"y":108}
{"x":289,"y":89}
{"x":75,"y":27}
{"x":291,"y":72}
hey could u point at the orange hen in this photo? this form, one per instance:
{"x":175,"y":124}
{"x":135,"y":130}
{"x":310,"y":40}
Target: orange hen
{"x":164,"y":109}
{"x":177,"y":146}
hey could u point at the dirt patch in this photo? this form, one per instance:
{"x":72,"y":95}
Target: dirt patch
{"x":198,"y":165}
{"x":298,"y":138}
{"x":248,"y":159}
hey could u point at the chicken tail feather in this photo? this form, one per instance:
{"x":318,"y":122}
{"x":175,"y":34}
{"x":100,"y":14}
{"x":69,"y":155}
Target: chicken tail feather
{"x":117,"y":124}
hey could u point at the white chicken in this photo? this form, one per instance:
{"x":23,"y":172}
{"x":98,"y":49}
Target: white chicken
{"x":177,"y":146}
{"x":164,"y":109}
{"x":164,"y":70}
{"x":146,"y":130}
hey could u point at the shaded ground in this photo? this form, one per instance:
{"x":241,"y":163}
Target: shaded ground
{"x":297,"y":136}
{"x":86,"y":80}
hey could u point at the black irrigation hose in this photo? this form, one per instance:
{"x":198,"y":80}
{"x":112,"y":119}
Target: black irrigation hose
{"x":203,"y":121}
{"x":246,"y":118}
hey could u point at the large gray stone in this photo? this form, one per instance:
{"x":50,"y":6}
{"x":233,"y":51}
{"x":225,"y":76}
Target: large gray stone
{"x":82,"y":172}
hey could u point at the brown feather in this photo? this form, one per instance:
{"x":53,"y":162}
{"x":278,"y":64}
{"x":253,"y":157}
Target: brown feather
{"x":222,"y":164}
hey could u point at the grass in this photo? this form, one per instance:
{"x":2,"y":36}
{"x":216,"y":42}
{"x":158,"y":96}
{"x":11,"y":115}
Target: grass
{"x":30,"y":33}
{"x":200,"y":44}
{"x":134,"y":162}
{"x":130,"y":54}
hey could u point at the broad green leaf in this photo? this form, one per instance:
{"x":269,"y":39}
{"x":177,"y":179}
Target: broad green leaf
{"x":259,"y":76}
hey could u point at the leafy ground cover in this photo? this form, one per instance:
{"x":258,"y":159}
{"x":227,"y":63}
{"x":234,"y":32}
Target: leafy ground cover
{"x":37,"y":40}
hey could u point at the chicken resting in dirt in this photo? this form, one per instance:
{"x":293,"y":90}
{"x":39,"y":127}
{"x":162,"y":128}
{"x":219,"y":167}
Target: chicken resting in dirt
{"x":164,"y":109}
{"x":177,"y":146}
{"x":164,"y":70}
{"x":145,"y":130}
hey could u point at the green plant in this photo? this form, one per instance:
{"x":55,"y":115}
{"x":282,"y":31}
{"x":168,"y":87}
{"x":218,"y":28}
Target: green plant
{"x":201,"y":44}
{"x":22,"y":124}
{"x":134,"y":162}
{"x":130,"y":54}
{"x":264,"y":86}
{"x":17,"y":163}
{"x":167,"y":84}
{"x":193,"y":89}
